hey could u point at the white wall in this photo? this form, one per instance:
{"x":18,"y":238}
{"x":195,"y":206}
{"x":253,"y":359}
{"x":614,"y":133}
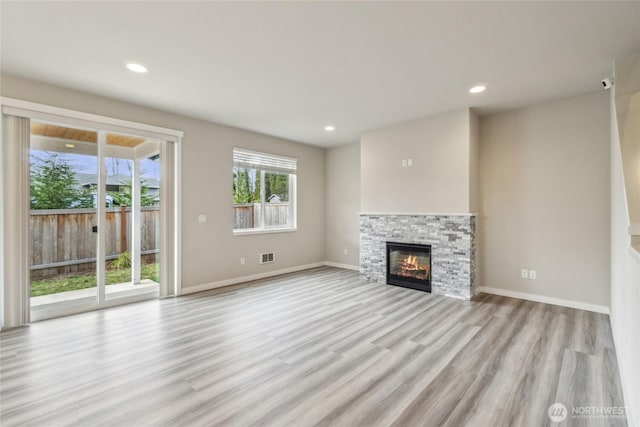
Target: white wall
{"x":625,"y":261}
{"x":438,"y":182}
{"x":342,"y":175}
{"x":545,"y":200}
{"x":210,"y":253}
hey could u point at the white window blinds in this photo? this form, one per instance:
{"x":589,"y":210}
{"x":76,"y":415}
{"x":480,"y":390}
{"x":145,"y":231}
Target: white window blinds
{"x":254,"y":160}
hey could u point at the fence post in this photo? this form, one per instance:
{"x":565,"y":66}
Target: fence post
{"x":123,"y":229}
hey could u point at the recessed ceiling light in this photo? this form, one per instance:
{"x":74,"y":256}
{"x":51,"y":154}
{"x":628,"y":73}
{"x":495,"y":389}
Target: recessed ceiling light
{"x":136,"y":68}
{"x":477,"y":89}
{"x":70,"y":145}
{"x":329,"y":128}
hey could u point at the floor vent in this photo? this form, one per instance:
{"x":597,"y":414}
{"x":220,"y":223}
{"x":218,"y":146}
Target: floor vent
{"x":267,"y":258}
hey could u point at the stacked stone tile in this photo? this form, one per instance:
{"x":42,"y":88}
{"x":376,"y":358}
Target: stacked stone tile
{"x":453,"y":248}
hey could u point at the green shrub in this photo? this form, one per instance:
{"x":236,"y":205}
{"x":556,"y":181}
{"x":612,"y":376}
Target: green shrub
{"x":123,"y":261}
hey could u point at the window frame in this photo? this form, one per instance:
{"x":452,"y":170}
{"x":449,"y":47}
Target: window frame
{"x":264,"y":163}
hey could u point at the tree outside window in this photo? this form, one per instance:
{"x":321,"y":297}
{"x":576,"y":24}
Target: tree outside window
{"x":263,"y":191}
{"x":53,"y":184}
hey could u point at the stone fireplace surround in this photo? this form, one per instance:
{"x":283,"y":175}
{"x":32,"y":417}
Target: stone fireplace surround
{"x":453,"y":244}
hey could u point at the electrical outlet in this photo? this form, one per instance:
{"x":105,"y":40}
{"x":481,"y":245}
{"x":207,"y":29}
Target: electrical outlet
{"x":410,"y":162}
{"x":525,"y":273}
{"x":404,"y":163}
{"x":346,"y":251}
{"x":532,"y":274}
{"x":242,"y":261}
{"x":202,"y":218}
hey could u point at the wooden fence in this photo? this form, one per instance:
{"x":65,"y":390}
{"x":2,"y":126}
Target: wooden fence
{"x":248,"y":215}
{"x":63,"y":241}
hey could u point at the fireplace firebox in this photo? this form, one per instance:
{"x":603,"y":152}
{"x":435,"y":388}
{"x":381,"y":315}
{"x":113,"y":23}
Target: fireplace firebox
{"x":409,"y":265}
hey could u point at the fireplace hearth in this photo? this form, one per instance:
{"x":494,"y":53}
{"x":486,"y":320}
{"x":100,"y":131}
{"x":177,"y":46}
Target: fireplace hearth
{"x":409,"y":265}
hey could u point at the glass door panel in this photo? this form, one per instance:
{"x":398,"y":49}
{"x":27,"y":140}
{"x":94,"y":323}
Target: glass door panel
{"x":132,"y":189}
{"x":150,"y":218}
{"x":63,"y":219}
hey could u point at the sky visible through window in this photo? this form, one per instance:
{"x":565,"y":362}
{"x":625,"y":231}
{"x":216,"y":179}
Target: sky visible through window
{"x":87,"y":164}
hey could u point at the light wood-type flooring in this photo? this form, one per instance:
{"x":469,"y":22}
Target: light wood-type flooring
{"x":319,"y":347}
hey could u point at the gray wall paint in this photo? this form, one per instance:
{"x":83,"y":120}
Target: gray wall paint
{"x":343,"y":203}
{"x":438,"y":182}
{"x":545,"y":199}
{"x":544,"y":190}
{"x":474,"y":162}
{"x":210,"y":252}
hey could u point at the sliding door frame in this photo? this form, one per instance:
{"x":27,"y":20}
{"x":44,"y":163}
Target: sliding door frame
{"x":14,"y":226}
{"x":14,"y":185}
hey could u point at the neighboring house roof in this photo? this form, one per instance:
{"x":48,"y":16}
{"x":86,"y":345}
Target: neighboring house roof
{"x":89,"y":179}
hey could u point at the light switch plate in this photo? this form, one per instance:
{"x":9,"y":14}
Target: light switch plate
{"x":202,"y":218}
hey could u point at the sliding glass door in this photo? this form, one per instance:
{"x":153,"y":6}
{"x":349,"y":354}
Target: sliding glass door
{"x":94,"y":219}
{"x":132,"y":225}
{"x":63,"y":215}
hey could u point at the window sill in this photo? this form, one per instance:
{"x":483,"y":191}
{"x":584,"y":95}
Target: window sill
{"x":252,"y":231}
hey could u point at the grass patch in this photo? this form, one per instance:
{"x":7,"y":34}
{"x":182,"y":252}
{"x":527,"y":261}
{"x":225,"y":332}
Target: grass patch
{"x":75,"y":281}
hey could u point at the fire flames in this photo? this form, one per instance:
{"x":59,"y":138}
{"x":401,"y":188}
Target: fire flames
{"x":411,"y":267}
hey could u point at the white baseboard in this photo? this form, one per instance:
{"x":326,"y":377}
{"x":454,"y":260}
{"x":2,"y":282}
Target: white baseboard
{"x":345,"y":266}
{"x":242,"y":279}
{"x":236,"y":280}
{"x":547,"y":300}
{"x":495,"y":291}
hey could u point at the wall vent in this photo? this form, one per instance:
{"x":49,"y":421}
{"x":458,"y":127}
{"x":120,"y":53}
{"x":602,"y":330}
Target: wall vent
{"x":267,"y":258}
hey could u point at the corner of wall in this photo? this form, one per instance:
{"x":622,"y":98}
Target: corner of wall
{"x":474,"y":162}
{"x":342,"y":205}
{"x":325,"y":158}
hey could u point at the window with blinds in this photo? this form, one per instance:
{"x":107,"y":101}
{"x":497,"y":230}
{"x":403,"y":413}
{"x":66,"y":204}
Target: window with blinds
{"x":263,"y":192}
